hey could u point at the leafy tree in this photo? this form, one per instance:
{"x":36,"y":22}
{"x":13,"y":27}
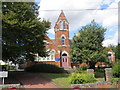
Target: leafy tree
{"x":87,"y":45}
{"x":112,"y":47}
{"x":117,"y":52}
{"x":116,"y":49}
{"x":22,"y":32}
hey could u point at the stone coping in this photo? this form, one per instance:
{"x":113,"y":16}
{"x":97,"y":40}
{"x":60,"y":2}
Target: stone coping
{"x":90,"y":84}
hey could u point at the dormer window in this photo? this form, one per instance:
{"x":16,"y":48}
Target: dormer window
{"x":62,"y":25}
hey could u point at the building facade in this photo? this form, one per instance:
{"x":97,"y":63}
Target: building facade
{"x":59,"y":48}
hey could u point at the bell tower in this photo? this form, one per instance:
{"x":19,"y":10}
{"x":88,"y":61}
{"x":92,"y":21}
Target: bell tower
{"x":62,"y":39}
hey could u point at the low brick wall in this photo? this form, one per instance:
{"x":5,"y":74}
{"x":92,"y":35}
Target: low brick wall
{"x":57,"y":63}
{"x":8,"y":86}
{"x":99,"y":84}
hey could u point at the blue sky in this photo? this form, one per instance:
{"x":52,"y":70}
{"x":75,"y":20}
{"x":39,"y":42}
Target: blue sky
{"x":105,"y":13}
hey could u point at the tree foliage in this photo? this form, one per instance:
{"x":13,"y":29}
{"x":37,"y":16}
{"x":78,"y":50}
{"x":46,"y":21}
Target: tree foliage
{"x":117,"y":52}
{"x":116,"y":49}
{"x":22,"y":32}
{"x":87,"y":46}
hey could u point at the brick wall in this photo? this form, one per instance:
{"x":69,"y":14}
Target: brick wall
{"x":57,"y":63}
{"x":99,"y":84}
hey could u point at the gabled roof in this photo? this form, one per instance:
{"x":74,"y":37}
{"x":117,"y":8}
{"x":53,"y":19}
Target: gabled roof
{"x":51,"y":41}
{"x":62,"y":16}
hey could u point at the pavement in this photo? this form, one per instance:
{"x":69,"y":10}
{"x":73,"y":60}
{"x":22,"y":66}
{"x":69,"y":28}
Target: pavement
{"x":29,"y":80}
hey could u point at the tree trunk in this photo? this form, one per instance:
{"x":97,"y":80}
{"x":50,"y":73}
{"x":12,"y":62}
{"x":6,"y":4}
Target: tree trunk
{"x":92,"y":65}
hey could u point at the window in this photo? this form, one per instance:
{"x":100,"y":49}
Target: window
{"x":48,"y":58}
{"x":63,"y":59}
{"x":51,"y":57}
{"x":43,"y":58}
{"x":62,"y":25}
{"x":39,"y":58}
{"x":63,"y":40}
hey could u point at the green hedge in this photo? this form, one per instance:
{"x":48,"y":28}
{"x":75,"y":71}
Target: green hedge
{"x":44,"y":68}
{"x":81,"y":69}
{"x":10,"y":67}
{"x":116,"y":70}
{"x":77,"y":78}
{"x":100,"y":69}
{"x":115,"y":80}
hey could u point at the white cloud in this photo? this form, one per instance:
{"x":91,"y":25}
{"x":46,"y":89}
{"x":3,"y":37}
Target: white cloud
{"x":113,"y":40}
{"x":107,"y":42}
{"x":51,"y":31}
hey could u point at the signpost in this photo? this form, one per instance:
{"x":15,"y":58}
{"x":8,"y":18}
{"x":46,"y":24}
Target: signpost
{"x":3,"y":74}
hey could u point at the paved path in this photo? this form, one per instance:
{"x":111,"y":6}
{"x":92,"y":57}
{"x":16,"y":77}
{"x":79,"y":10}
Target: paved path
{"x":33,"y":80}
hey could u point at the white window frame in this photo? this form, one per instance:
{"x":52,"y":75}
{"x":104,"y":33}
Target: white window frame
{"x":62,"y":25}
{"x":63,"y":39}
{"x":46,"y":58}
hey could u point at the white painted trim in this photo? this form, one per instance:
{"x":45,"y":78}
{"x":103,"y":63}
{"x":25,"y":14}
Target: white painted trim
{"x":64,"y":52}
{"x":40,"y":59}
{"x":62,"y":20}
{"x":63,"y":36}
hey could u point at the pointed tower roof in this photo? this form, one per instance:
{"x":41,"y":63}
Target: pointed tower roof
{"x":62,"y":14}
{"x":62,"y":17}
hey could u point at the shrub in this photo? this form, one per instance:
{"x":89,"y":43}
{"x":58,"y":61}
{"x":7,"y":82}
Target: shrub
{"x":99,"y":72}
{"x":44,"y":68}
{"x":116,"y":70}
{"x":8,"y":67}
{"x":4,"y":67}
{"x":100,"y":69}
{"x":12,"y":67}
{"x":115,"y":80}
{"x":85,"y":67}
{"x":77,"y":78}
{"x":81,"y":69}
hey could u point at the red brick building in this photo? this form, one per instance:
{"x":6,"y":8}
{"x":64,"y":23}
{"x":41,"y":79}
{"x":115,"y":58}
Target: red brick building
{"x":59,"y":47}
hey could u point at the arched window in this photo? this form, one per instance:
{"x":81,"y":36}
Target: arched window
{"x":62,"y":25}
{"x":52,"y":55}
{"x":63,"y":40}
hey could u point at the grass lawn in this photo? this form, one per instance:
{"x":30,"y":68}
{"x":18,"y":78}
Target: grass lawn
{"x":100,"y":79}
{"x":62,"y":79}
{"x":59,"y":79}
